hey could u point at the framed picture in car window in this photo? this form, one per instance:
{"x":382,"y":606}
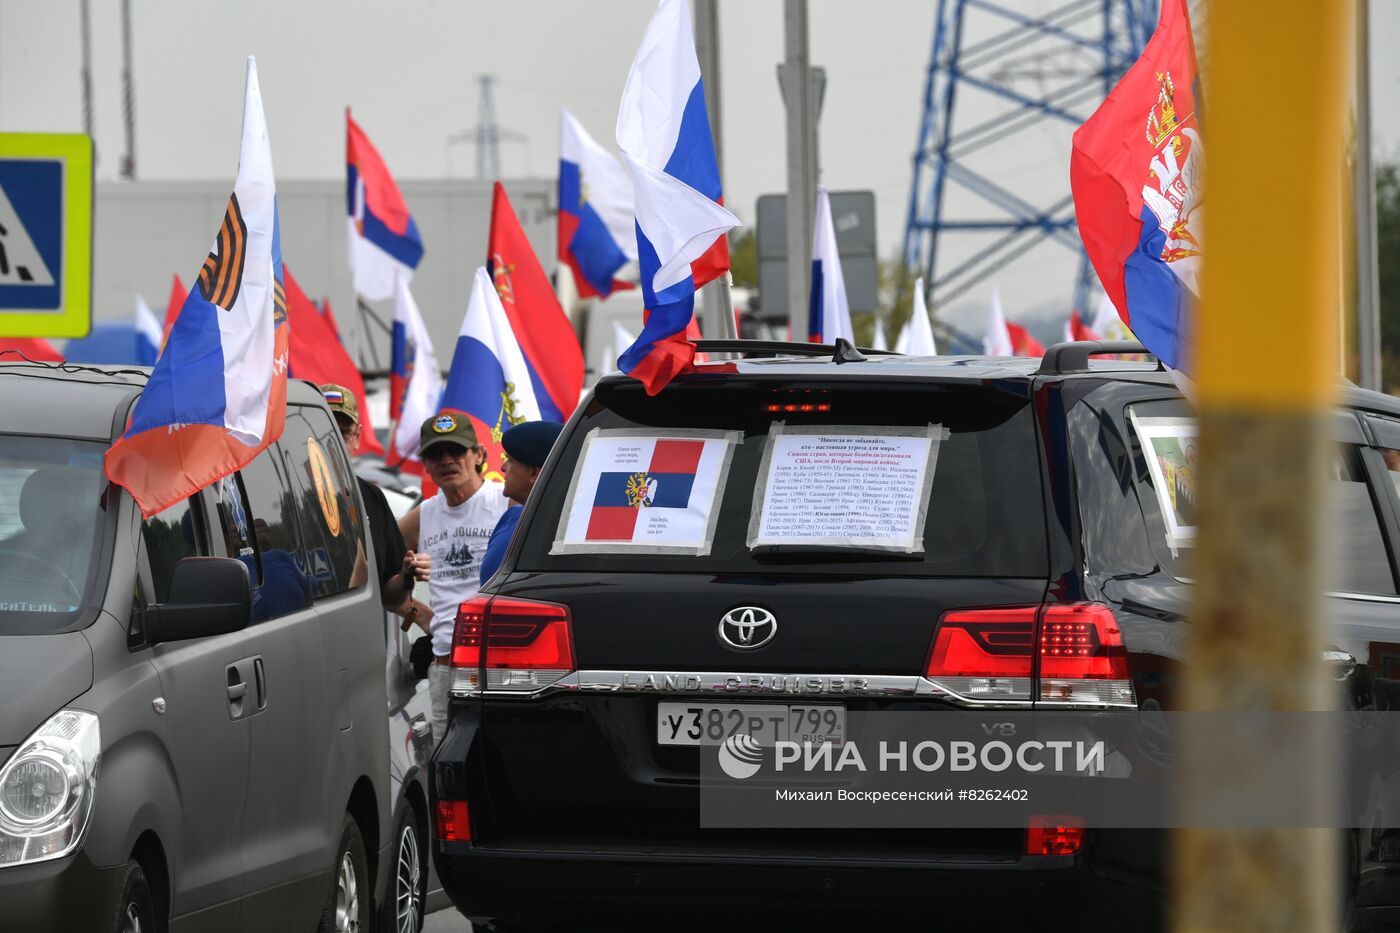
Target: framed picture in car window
{"x":1171,"y":449}
{"x":646,"y":489}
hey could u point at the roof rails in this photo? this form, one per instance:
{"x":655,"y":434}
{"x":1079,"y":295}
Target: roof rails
{"x":785,"y":348}
{"x":1073,"y":357}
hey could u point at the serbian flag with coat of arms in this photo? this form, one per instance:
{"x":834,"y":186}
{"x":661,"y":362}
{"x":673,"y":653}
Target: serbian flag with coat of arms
{"x":217,"y":396}
{"x":664,"y":134}
{"x":384,"y":241}
{"x":666,"y":483}
{"x":1136,"y":173}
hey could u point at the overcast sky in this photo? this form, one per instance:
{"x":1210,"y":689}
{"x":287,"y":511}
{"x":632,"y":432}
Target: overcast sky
{"x":409,"y":70}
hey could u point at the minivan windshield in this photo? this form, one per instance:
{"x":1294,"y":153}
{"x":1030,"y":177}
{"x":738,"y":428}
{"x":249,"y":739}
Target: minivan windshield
{"x":50,"y":495}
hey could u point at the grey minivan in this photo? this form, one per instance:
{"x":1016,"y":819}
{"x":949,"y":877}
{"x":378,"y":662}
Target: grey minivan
{"x":192,"y":707}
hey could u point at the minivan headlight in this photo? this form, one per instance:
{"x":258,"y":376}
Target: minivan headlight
{"x":47,"y":787}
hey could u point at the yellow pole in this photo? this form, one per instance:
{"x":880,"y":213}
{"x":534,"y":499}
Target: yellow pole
{"x":1265,"y":370}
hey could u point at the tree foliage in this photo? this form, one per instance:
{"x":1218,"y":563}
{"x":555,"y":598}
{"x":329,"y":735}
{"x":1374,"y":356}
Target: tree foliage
{"x":1388,"y":256}
{"x":743,"y":259}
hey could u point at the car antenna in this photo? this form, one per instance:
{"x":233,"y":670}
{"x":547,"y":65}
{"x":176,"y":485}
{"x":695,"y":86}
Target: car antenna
{"x":846,"y":352}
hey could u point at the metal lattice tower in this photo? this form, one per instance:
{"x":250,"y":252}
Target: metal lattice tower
{"x":1024,"y":83}
{"x":487,"y":133}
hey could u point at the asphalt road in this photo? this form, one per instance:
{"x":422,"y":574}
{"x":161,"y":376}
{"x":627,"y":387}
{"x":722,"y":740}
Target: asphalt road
{"x":446,"y":920}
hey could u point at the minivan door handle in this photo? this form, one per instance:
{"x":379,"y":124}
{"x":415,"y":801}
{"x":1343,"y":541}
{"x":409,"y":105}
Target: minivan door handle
{"x":260,"y":677}
{"x":237,"y":675}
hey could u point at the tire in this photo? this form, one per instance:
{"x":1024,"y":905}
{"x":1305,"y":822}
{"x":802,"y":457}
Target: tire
{"x":136,"y":910}
{"x":347,"y":907}
{"x":404,"y":900}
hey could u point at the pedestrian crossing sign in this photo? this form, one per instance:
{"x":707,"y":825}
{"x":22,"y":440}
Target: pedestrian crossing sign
{"x":45,"y":235}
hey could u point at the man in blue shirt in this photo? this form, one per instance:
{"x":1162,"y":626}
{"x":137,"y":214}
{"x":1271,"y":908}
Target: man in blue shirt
{"x":527,"y":447}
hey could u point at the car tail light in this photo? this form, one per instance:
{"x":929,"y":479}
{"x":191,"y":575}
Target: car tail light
{"x":1082,"y":657}
{"x":453,"y":821}
{"x":1054,"y":835}
{"x":1072,"y":653}
{"x":985,"y":654}
{"x":520,"y":645}
{"x":468,"y":636}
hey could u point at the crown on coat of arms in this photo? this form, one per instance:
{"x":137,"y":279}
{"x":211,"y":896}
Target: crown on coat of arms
{"x":1162,"y":119}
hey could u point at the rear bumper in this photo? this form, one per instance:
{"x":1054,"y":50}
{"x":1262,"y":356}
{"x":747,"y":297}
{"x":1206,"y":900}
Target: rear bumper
{"x":579,"y":888}
{"x":61,"y":895}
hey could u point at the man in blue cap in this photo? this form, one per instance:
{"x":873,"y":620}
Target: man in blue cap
{"x":527,"y":447}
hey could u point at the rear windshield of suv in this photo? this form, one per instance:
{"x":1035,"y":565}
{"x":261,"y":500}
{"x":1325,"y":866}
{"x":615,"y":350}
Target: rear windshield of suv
{"x":982,"y":514}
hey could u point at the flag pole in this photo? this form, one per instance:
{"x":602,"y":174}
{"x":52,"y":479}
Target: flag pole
{"x":1368,"y":316}
{"x":717,"y":306}
{"x":801,"y":194}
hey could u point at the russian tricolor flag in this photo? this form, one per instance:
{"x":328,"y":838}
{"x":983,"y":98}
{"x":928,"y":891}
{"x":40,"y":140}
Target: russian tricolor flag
{"x":490,"y":381}
{"x":217,"y":396}
{"x":830,"y":315}
{"x":596,"y":228}
{"x":148,"y":335}
{"x":415,"y":385}
{"x":1136,"y":171}
{"x":664,"y":134}
{"x":384,"y":240}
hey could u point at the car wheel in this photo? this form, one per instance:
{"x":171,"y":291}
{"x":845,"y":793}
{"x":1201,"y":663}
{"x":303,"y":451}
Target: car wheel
{"x":136,"y":911}
{"x":408,"y":885}
{"x":347,"y":906}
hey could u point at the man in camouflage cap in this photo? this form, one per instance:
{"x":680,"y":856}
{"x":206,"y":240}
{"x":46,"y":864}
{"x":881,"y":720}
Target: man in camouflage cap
{"x":452,"y":528}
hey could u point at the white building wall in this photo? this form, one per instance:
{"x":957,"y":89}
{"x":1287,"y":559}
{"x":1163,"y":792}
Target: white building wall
{"x":145,"y":232}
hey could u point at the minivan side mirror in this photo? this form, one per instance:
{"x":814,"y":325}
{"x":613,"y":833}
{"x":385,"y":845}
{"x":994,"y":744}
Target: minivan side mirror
{"x":208,"y":596}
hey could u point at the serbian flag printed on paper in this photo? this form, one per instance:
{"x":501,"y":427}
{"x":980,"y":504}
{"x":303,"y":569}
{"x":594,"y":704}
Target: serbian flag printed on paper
{"x":489,"y":381}
{"x":1136,"y":173}
{"x":217,"y":396}
{"x":657,"y":493}
{"x":384,"y":240}
{"x":596,"y":233}
{"x":664,"y":134}
{"x":547,"y":340}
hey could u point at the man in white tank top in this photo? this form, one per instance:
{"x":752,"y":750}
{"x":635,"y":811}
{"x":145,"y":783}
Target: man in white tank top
{"x":451,"y":529}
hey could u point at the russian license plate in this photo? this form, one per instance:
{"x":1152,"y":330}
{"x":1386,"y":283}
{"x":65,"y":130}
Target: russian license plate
{"x":712,"y":723}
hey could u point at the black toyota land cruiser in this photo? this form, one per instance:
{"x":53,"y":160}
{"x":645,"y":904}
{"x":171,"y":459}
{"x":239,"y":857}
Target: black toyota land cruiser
{"x":662,"y":560}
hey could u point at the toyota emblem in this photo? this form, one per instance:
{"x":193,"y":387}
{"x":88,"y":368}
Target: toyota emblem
{"x":747,"y":627}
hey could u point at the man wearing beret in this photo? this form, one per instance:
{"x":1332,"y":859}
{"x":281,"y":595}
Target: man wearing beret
{"x":527,"y":446}
{"x":451,"y":528}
